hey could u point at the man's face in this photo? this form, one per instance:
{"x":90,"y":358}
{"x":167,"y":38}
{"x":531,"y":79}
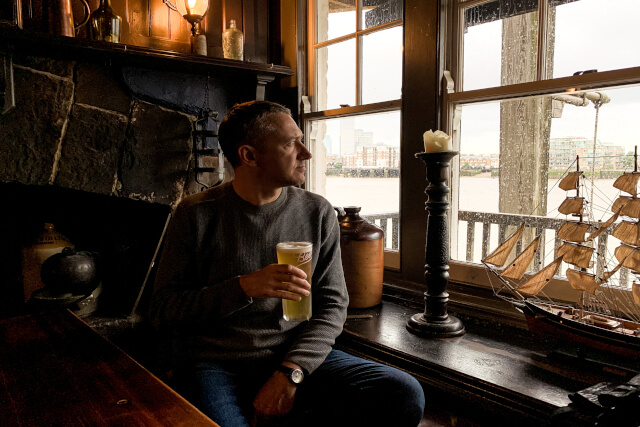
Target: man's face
{"x":283,"y":154}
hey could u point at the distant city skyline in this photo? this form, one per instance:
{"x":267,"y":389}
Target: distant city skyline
{"x":583,"y":40}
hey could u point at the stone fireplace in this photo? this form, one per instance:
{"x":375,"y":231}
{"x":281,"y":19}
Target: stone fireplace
{"x":82,"y":151}
{"x":101,"y":146}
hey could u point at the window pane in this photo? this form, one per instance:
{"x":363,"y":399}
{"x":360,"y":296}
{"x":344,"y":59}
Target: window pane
{"x":378,"y":12}
{"x":357,"y":163}
{"x":336,"y":75}
{"x":513,"y":154}
{"x":334,"y":19}
{"x":592,"y":34}
{"x":382,"y":66}
{"x":500,"y":45}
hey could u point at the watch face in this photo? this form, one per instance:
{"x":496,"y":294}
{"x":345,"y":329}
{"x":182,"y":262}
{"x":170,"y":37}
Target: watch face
{"x":297,"y":376}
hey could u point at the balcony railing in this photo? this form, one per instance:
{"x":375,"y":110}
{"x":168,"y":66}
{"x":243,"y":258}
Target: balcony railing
{"x":388,"y":221}
{"x":545,"y":227}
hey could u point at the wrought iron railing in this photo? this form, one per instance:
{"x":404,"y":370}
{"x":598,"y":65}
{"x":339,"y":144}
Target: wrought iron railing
{"x":540,"y":225}
{"x":388,"y":221}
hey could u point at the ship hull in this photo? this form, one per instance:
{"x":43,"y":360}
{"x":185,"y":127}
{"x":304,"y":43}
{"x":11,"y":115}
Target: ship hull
{"x":552,"y":321}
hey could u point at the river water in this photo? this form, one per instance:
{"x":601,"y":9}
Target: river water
{"x":479,"y":193}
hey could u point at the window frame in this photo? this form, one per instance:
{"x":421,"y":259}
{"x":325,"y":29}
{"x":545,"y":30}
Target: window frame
{"x":311,"y":112}
{"x":471,"y":273}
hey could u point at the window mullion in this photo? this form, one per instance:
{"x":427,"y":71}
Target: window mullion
{"x":543,"y":39}
{"x":358,"y":54}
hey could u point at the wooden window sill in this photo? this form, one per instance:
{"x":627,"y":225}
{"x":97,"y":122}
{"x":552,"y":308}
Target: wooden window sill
{"x":490,"y":371}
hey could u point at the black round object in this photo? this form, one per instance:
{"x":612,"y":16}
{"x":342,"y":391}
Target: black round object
{"x":71,"y":272}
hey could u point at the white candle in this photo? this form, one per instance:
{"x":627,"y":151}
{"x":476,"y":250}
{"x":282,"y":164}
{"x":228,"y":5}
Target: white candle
{"x":436,"y":141}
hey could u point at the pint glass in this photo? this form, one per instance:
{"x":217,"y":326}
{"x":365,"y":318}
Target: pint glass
{"x":297,"y":254}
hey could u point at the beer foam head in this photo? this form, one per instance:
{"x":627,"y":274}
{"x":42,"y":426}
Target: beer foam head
{"x":294,"y":247}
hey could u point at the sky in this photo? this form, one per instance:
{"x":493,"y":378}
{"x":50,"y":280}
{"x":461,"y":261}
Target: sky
{"x":588,"y":36}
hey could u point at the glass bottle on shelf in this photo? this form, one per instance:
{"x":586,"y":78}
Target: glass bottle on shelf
{"x":104,"y":23}
{"x":233,"y":42}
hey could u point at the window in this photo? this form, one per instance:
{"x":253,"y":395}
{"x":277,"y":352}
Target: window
{"x":539,"y":86}
{"x":353,"y":118}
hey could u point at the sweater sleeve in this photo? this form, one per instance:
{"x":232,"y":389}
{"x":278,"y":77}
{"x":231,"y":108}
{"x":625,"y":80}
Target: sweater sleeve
{"x":330,"y":300}
{"x":178,"y":298}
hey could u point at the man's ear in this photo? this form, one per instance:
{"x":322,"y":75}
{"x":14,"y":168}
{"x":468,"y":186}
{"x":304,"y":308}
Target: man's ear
{"x":247,"y":155}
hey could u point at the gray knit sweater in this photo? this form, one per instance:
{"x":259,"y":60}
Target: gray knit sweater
{"x":213,"y":239}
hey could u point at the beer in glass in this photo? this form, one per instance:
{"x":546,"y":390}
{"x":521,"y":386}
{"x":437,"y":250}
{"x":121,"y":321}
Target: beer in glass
{"x":297,"y":254}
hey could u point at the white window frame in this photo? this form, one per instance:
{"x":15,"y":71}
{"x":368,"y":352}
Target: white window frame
{"x":311,"y":111}
{"x":471,"y":273}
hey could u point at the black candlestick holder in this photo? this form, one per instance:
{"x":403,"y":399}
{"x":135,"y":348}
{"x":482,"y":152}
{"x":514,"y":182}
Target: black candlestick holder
{"x":435,"y":321}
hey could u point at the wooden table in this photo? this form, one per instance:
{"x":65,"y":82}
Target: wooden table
{"x":56,"y":370}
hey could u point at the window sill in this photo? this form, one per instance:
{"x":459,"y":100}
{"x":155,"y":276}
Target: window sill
{"x":492,"y":370}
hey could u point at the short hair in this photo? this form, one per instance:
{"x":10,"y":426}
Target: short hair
{"x":247,"y":123}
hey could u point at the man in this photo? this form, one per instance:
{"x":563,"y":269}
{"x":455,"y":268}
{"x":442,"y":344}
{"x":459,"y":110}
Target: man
{"x":220,"y":292}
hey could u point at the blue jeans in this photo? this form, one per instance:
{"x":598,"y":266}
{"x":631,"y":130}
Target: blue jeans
{"x":344,"y":391}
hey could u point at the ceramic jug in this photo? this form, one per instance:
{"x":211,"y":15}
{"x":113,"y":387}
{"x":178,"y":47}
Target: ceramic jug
{"x":362,"y":247}
{"x":58,"y":17}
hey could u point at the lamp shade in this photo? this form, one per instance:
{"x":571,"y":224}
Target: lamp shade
{"x":192,"y":10}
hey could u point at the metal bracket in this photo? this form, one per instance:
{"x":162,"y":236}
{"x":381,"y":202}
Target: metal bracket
{"x":7,"y":92}
{"x":170,"y":5}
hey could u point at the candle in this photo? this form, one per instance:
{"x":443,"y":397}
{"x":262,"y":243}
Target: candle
{"x":436,"y":141}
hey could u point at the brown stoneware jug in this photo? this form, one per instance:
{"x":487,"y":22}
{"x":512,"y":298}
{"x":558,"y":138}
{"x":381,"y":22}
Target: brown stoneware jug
{"x":362,"y":247}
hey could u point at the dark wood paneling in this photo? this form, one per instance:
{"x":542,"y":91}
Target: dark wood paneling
{"x":232,"y":9}
{"x":256,"y":25}
{"x":420,"y":112}
{"x":151,"y":23}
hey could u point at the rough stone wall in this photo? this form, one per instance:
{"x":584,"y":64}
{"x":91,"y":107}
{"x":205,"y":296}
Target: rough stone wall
{"x":76,"y":126}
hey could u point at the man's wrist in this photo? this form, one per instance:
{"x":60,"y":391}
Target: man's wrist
{"x":293,"y":372}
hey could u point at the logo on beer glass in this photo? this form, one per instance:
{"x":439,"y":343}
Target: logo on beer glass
{"x":303,"y":258}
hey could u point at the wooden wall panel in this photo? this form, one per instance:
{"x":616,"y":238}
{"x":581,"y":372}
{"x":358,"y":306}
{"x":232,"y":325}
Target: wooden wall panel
{"x":151,"y":23}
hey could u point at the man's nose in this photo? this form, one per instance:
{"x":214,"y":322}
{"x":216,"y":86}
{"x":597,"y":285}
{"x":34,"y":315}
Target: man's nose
{"x":304,"y":153}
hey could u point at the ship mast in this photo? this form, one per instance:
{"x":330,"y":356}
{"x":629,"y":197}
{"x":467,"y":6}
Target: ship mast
{"x":582,"y":293}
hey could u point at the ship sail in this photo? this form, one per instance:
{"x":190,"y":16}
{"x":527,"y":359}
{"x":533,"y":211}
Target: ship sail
{"x":519,"y":265}
{"x":499,"y":257}
{"x":572,"y":205}
{"x":582,"y":281}
{"x":573,"y":231}
{"x":629,"y":206}
{"x":628,"y":232}
{"x":636,"y":292}
{"x":571,"y":181}
{"x":577,"y":255}
{"x":628,"y":182}
{"x":540,"y":279}
{"x":628,"y":256}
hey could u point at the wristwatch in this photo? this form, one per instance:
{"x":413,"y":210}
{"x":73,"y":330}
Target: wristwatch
{"x":295,"y":375}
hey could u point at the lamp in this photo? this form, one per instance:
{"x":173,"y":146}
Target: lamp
{"x":193,"y":11}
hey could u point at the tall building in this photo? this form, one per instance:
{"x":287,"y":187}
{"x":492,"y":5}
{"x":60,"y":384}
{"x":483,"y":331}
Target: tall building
{"x":563,"y":152}
{"x":347,"y":136}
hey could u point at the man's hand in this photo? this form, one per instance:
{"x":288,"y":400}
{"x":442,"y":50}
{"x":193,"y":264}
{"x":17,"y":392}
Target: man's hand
{"x":276,"y":280}
{"x":275,"y":398}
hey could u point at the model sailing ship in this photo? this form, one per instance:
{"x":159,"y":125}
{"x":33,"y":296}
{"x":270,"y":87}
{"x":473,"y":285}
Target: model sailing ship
{"x":607,"y":317}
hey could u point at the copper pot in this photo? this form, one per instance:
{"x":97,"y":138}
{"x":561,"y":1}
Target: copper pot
{"x":58,"y":17}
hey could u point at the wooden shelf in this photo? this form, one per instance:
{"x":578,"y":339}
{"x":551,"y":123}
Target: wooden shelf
{"x":16,"y":41}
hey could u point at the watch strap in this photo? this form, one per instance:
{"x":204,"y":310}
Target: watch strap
{"x":289,"y":372}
